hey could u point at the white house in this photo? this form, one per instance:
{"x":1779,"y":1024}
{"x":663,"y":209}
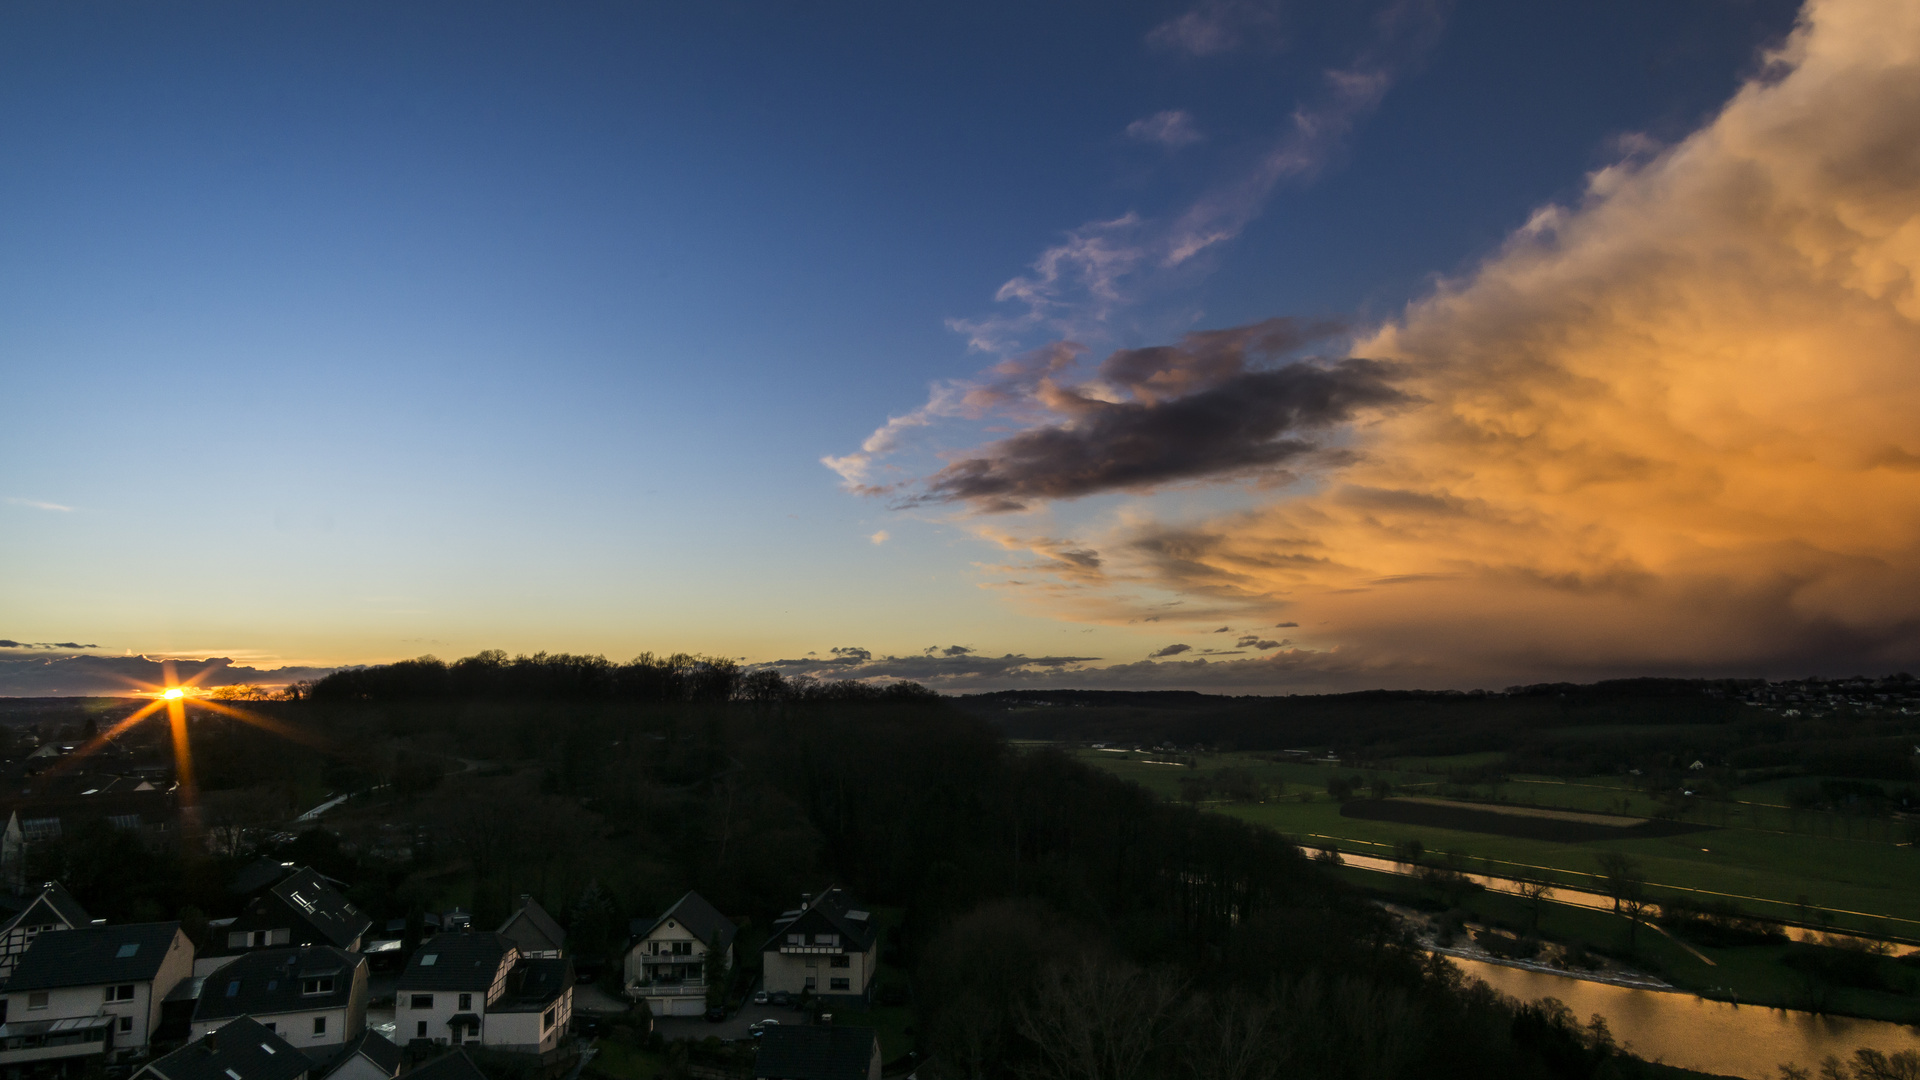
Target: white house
{"x":315,"y":998}
{"x":828,"y":947}
{"x":91,"y":991}
{"x":475,"y":987}
{"x":53,"y":909}
{"x":667,"y":962}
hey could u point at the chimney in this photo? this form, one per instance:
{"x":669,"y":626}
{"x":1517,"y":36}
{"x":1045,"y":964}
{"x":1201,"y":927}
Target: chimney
{"x":525,"y":899}
{"x":805,"y":899}
{"x":212,"y":1043}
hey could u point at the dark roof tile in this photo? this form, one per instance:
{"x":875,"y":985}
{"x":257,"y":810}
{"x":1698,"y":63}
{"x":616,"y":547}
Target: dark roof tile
{"x":95,"y":955}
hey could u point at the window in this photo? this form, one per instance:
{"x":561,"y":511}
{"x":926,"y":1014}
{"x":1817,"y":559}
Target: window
{"x":120,"y":993}
{"x":237,"y":939}
{"x":320,"y":985}
{"x":812,"y":982}
{"x":795,"y":939}
{"x":126,"y":1024}
{"x":826,"y":939}
{"x":682,"y":948}
{"x":37,"y":1000}
{"x":127,"y":950}
{"x":466,"y":1002}
{"x":319,"y":1025}
{"x":546,"y":1021}
{"x":421,"y":1033}
{"x":422,"y":1001}
{"x":430,"y":959}
{"x":233,"y":988}
{"x":841,"y":961}
{"x":840,"y":984}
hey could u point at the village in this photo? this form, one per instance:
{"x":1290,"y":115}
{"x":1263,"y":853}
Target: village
{"x":301,"y":984}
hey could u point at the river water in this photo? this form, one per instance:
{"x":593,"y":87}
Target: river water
{"x":1695,"y":1033}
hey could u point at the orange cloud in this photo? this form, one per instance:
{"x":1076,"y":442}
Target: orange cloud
{"x":1673,"y":428}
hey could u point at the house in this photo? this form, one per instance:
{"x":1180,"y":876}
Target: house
{"x":454,"y":1066}
{"x":53,"y":909}
{"x":92,"y":991}
{"x":667,"y":962}
{"x":817,"y":1053}
{"x":242,"y":1050}
{"x":534,"y":931}
{"x":367,"y":1056}
{"x":303,"y":909}
{"x":475,"y":987}
{"x":313,"y":997}
{"x":829,"y":946}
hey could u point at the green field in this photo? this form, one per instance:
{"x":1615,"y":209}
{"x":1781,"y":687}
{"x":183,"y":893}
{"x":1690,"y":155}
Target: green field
{"x":1864,"y":883}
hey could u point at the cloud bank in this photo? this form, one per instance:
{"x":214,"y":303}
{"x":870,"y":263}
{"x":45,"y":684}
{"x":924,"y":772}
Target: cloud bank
{"x":1670,"y":428}
{"x":109,"y":676}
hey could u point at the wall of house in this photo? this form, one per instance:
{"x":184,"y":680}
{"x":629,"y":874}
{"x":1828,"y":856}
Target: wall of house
{"x":529,"y":1032}
{"x":790,"y":971}
{"x":296,"y":1026}
{"x":446,"y":1004}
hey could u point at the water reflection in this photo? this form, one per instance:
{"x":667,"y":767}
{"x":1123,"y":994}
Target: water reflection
{"x":1694,"y":1033}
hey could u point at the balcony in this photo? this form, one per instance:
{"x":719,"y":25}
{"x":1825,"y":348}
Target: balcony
{"x":658,"y":987}
{"x":45,"y":1040}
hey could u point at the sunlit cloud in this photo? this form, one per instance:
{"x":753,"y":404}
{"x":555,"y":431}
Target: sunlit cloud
{"x":1171,"y":128}
{"x":1667,"y":428}
{"x":36,"y":504}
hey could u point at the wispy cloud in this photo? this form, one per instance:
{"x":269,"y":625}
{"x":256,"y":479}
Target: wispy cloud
{"x":1220,"y":26}
{"x":880,"y":537}
{"x":1074,"y":289}
{"x":1172,"y":128}
{"x":39,"y":505}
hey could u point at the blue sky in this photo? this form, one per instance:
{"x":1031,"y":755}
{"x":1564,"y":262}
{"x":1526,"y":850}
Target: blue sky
{"x":336,"y":333}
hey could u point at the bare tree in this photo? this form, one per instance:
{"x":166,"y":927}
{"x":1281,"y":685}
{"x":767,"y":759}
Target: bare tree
{"x":1535,"y":894}
{"x":1098,"y":1019}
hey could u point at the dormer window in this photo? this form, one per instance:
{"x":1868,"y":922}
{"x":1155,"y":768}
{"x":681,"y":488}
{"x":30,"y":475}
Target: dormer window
{"x":826,"y":939}
{"x":795,"y":939}
{"x":320,"y":985}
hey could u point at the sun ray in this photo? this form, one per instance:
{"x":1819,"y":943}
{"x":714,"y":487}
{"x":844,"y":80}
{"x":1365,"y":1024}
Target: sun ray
{"x":182,"y":758}
{"x":268,"y":724}
{"x":98,"y":742}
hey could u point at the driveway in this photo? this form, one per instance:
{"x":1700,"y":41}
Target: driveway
{"x":733,"y":1029}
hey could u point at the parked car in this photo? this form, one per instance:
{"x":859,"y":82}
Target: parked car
{"x":716,"y":1015}
{"x":780,"y":997}
{"x":760,"y":998}
{"x":759,"y":1027}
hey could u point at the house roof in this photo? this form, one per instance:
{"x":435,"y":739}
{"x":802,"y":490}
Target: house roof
{"x":454,"y":1066}
{"x":814,"y":1053}
{"x":241,"y":1050}
{"x":701,"y":918}
{"x":460,"y":960}
{"x":325,"y":909}
{"x":259,"y":874}
{"x":834,"y":911}
{"x":534,"y":984}
{"x":94,"y":955}
{"x":532,"y":928}
{"x":369,"y":1044}
{"x":271,"y":981}
{"x":54,"y":902}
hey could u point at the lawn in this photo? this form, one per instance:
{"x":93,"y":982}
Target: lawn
{"x":621,"y":1061}
{"x":1863,"y":884}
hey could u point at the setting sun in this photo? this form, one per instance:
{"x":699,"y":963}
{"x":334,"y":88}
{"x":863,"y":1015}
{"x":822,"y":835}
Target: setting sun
{"x":174,"y":693}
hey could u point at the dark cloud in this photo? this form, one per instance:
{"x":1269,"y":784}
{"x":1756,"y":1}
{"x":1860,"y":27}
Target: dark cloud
{"x":72,"y":645}
{"x":1254,"y":641}
{"x":9,"y":644}
{"x":849,"y":654}
{"x":950,"y":668}
{"x":106,"y":676}
{"x":1224,"y":630}
{"x":5,"y":644}
{"x":1171,"y":650}
{"x":1284,"y":625}
{"x":1214,"y":405}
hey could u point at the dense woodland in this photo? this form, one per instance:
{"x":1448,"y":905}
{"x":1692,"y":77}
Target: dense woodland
{"x":1051,"y":919}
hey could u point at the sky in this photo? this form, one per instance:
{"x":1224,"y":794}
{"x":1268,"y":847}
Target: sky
{"x":1242,"y":345}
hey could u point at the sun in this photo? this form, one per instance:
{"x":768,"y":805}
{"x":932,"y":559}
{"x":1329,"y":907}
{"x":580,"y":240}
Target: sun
{"x":174,"y":693}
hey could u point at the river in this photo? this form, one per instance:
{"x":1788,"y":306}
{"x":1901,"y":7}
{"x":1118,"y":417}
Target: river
{"x":1695,"y":1033}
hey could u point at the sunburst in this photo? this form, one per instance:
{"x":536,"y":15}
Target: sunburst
{"x":173,"y":696}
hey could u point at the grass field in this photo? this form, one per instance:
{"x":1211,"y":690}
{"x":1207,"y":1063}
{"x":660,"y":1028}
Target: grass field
{"x":1864,"y":881}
